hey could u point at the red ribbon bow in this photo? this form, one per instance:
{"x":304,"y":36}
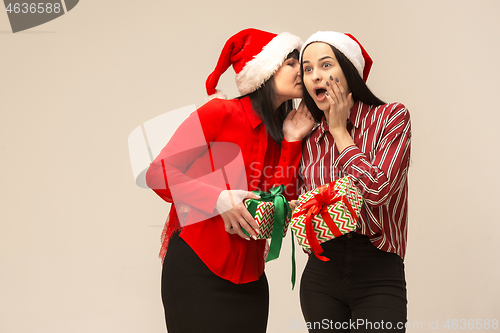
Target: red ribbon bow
{"x":319,"y":205}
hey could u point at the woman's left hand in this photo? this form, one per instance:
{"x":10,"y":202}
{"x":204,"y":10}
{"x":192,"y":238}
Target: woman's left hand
{"x":298,"y":123}
{"x":340,"y":106}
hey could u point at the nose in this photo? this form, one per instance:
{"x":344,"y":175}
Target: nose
{"x":315,"y":76}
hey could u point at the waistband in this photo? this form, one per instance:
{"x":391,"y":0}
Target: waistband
{"x":351,"y":237}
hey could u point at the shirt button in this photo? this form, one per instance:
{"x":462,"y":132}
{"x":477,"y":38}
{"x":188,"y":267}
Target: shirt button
{"x":285,"y":148}
{"x":283,"y":159}
{"x":349,"y":235}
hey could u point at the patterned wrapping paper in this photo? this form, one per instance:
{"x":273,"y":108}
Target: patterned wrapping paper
{"x":270,"y":211}
{"x":326,"y":212}
{"x":264,"y":216}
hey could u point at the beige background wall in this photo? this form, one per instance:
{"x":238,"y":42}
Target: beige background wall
{"x":79,"y":240}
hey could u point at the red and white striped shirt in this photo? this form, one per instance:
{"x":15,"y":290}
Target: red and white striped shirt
{"x":378,"y":164}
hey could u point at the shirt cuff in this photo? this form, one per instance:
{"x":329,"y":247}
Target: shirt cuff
{"x":291,"y":147}
{"x":352,"y":155}
{"x":290,"y":155}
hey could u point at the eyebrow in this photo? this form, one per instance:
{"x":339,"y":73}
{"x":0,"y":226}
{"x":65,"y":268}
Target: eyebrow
{"x":321,"y":59}
{"x":326,"y":57}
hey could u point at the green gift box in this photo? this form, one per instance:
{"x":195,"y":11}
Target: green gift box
{"x":273,"y":214}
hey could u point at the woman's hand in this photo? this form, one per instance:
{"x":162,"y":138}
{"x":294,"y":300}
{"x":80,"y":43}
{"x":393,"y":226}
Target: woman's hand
{"x":298,"y":123}
{"x":234,"y":213}
{"x":340,"y":107}
{"x":293,"y":204}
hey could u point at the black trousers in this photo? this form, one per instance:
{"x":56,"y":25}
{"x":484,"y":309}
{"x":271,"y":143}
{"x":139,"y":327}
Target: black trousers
{"x":361,"y":288}
{"x":196,"y":300}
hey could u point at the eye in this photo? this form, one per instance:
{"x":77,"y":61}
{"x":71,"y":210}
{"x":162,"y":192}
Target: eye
{"x":307,"y":69}
{"x":326,"y":65}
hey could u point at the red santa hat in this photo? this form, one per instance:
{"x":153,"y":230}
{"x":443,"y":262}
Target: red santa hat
{"x":255,"y":56}
{"x":348,"y":45}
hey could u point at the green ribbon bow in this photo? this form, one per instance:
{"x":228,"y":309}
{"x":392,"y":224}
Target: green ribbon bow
{"x":282,"y":210}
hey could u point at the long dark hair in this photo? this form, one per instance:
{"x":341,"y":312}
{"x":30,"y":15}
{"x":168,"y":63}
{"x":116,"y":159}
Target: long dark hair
{"x":359,"y":89}
{"x":264,"y":101}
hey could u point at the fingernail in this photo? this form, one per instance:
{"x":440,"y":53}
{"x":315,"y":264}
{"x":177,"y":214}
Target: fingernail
{"x":256,"y":231}
{"x":248,"y":238}
{"x":297,"y":202}
{"x":328,"y":84}
{"x":327,"y":94}
{"x":336,"y":79}
{"x":254,"y":238}
{"x":331,"y":77}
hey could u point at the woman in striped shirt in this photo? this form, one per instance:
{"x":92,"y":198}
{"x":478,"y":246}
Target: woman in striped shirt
{"x":363,"y":286}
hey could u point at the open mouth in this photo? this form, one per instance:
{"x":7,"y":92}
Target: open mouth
{"x":320,"y":93}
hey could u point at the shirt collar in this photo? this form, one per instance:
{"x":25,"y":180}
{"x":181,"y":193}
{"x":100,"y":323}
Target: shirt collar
{"x":319,"y":130}
{"x":252,"y":116}
{"x":323,"y":125}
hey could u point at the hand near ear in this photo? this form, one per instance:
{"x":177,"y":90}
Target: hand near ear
{"x":298,"y":123}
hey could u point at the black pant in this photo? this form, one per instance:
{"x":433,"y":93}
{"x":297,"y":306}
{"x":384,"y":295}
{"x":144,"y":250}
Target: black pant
{"x":361,"y":288}
{"x":196,"y":300}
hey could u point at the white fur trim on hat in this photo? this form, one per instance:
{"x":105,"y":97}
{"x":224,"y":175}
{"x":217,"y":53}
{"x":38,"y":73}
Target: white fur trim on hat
{"x":219,"y":94}
{"x":266,"y":63}
{"x":343,"y":43}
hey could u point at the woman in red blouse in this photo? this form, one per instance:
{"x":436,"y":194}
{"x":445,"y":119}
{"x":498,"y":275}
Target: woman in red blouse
{"x":213,"y":276}
{"x":362,"y":287}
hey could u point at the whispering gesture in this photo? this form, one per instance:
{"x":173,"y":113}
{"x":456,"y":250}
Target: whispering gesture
{"x":298,"y":123}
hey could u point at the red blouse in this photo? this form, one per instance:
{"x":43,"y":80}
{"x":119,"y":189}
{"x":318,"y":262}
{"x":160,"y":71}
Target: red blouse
{"x":223,"y":145}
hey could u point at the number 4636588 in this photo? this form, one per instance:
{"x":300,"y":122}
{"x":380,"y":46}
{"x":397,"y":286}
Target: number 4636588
{"x":33,"y":8}
{"x":471,"y":324}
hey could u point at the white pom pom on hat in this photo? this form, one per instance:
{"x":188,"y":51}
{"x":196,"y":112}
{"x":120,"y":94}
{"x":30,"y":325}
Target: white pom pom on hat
{"x":255,"y":56}
{"x":348,"y":45}
{"x":217,"y":94}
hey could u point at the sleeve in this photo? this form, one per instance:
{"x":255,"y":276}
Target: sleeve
{"x":168,"y":175}
{"x":287,"y":170}
{"x":379,"y":178}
